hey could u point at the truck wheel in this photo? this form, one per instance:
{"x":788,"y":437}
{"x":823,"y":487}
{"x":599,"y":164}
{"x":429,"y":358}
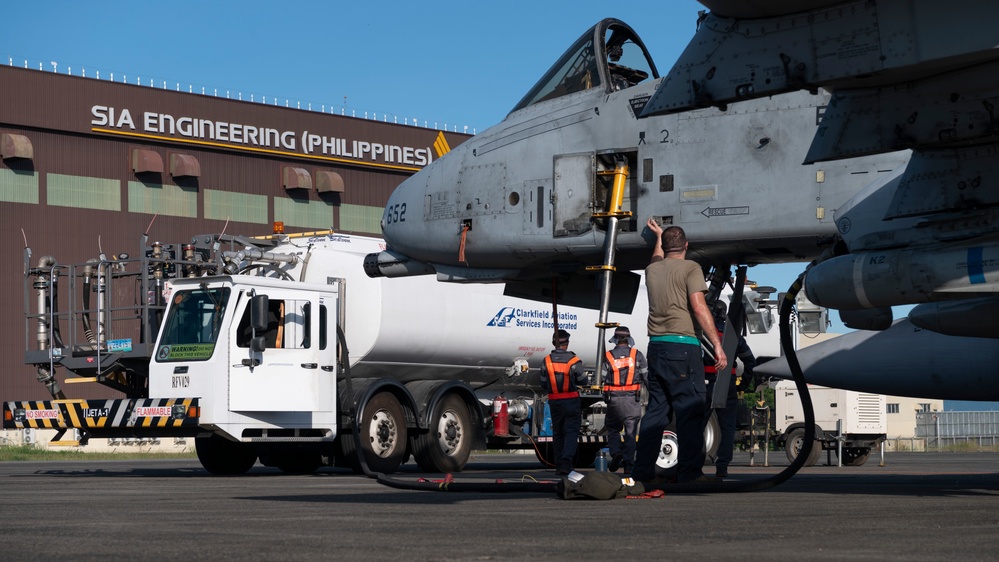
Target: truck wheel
{"x":793,"y":444}
{"x":220,"y":456}
{"x":855,"y":456}
{"x":383,"y":434}
{"x":448,"y":444}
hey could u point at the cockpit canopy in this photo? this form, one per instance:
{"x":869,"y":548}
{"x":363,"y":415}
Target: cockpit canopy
{"x":610,"y":56}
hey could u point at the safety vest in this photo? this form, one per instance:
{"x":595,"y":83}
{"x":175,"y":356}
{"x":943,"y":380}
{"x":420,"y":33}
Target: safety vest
{"x":619,"y":365}
{"x":560,"y":391}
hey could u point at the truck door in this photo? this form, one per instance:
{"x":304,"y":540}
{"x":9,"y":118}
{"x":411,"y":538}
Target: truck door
{"x":296,"y":370}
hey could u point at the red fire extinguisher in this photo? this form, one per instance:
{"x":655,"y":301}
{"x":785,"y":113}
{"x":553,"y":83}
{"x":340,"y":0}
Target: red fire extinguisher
{"x":501,"y":417}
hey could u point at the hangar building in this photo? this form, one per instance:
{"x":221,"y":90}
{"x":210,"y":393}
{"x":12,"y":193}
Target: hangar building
{"x":89,"y":165}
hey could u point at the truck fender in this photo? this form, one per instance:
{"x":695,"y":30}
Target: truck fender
{"x":428,"y":393}
{"x":364,"y":389}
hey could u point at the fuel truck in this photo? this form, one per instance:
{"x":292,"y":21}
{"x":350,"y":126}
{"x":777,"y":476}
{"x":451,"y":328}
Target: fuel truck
{"x":277,"y":348}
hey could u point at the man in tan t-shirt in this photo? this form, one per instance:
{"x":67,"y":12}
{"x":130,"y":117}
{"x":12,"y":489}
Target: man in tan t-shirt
{"x":677,"y":312}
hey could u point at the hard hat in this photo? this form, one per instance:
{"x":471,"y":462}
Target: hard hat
{"x":622,"y":332}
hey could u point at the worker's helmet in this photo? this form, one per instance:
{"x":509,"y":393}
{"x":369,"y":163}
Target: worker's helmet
{"x":720,"y":309}
{"x":561,"y":337}
{"x":622,"y":333}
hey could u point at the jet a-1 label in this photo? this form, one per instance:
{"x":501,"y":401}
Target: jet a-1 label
{"x":516,"y":317}
{"x":724,"y":211}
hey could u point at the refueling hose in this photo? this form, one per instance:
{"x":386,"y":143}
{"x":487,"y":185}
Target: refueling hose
{"x":448,"y":485}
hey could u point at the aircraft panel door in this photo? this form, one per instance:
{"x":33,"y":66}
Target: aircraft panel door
{"x":536,"y":205}
{"x":572,"y":186}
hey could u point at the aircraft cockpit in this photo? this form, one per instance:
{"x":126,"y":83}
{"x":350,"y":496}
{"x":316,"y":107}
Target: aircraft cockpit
{"x":610,"y":56}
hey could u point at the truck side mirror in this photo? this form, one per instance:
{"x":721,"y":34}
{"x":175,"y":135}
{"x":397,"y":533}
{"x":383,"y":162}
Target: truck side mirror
{"x":259,"y":306}
{"x":258,"y":343}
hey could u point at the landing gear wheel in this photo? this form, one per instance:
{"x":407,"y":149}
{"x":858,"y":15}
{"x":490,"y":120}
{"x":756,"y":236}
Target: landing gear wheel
{"x":712,"y":438}
{"x":220,"y":456}
{"x":448,"y":444}
{"x":382,"y":426}
{"x":794,"y":443}
{"x":855,"y":456}
{"x":668,"y":452}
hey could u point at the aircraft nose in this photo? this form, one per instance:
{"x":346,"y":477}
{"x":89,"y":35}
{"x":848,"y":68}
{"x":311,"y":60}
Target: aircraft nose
{"x":401,"y":216}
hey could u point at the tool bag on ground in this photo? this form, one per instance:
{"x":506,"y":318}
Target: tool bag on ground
{"x":598,"y":486}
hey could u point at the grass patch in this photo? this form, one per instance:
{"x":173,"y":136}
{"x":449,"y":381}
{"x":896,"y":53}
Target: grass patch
{"x":31,"y":453}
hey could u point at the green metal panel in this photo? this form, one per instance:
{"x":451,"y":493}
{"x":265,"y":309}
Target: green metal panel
{"x":308,"y":214}
{"x":237,"y":207}
{"x":162,"y":199}
{"x":18,"y":188}
{"x":361,"y":218}
{"x":83,"y":192}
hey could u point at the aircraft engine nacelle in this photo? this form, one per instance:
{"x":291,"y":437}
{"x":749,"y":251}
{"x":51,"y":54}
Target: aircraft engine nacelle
{"x":904,"y":276}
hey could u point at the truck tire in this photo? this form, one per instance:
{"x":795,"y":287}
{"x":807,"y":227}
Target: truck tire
{"x":792,"y":445}
{"x":855,"y":456}
{"x":382,"y":426}
{"x":448,"y":443}
{"x":220,"y":456}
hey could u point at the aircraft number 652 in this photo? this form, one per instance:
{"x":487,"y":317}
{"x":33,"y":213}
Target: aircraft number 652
{"x":395,"y":213}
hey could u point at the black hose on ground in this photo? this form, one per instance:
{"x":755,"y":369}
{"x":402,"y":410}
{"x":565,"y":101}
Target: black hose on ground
{"x":685,"y":488}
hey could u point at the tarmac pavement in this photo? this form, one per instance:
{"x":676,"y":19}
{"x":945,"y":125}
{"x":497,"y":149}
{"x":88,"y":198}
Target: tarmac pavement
{"x":920,"y":506}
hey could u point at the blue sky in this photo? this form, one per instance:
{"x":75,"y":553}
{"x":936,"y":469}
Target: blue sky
{"x":463,"y":64}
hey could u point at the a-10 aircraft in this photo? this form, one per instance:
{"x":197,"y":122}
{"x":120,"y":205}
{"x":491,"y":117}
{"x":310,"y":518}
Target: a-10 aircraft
{"x":858,"y":131}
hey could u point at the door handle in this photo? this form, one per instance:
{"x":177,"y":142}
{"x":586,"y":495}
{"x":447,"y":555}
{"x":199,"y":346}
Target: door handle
{"x":310,"y":365}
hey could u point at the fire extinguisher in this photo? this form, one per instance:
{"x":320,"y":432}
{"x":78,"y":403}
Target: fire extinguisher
{"x":501,"y":417}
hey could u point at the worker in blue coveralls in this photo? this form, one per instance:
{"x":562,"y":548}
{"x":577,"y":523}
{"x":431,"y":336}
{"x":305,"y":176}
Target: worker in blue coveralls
{"x":561,"y":376}
{"x":726,"y":415}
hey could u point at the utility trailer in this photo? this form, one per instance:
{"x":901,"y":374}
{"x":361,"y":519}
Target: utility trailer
{"x":855,"y":421}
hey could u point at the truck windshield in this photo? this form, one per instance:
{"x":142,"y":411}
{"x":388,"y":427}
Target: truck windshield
{"x":192,"y":326}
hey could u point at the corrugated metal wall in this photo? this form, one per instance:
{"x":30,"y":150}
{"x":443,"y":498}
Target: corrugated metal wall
{"x":942,"y":429}
{"x":55,"y":112}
